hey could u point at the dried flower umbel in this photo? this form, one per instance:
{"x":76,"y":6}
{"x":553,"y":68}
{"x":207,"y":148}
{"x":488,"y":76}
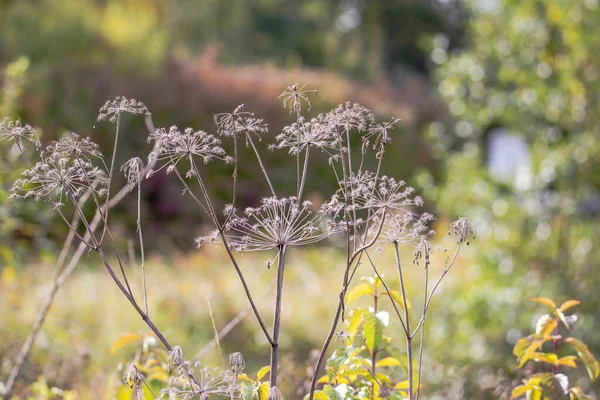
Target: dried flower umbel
{"x":16,"y":132}
{"x":112,"y":109}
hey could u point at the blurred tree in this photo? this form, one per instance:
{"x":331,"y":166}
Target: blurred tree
{"x":522,"y":145}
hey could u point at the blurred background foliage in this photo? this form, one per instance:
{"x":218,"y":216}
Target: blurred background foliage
{"x":499,"y":101}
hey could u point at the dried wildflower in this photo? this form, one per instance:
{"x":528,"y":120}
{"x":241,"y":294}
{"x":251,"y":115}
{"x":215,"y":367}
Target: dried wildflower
{"x":57,"y":177}
{"x":226,"y":123}
{"x":350,"y":116}
{"x":251,"y":125}
{"x":276,"y":223}
{"x":381,"y":193}
{"x":132,"y":170}
{"x":407,"y":229}
{"x":175,"y":359}
{"x":462,"y":229}
{"x":236,"y":362}
{"x":201,"y":381}
{"x":379,"y":132}
{"x":315,"y":133}
{"x":112,"y":109}
{"x":294,"y":95}
{"x":177,"y":146}
{"x":73,"y":145}
{"x":274,"y":394}
{"x":132,"y":376}
{"x":15,"y":131}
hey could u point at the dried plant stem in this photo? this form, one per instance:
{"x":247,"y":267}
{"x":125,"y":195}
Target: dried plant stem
{"x":304,"y":173}
{"x":141,"y":237}
{"x":277,"y":316}
{"x":66,"y":273}
{"x":338,"y":312}
{"x":409,"y":353}
{"x":98,"y":249}
{"x":262,"y":167}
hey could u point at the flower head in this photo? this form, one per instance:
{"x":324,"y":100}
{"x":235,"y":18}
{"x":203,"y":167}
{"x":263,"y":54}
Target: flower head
{"x":73,"y":145}
{"x":315,"y":133}
{"x":407,"y":229}
{"x":56,"y":178}
{"x":462,"y":229}
{"x":350,"y":116}
{"x":132,"y":169}
{"x":379,"y":132}
{"x":227,"y":123}
{"x":203,"y":381}
{"x":295,"y":95}
{"x":236,"y":363}
{"x":276,"y":223}
{"x":15,"y":131}
{"x":176,"y":146}
{"x":112,"y":109}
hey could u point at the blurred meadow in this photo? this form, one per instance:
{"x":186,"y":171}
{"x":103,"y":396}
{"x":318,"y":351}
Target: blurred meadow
{"x":499,"y":108}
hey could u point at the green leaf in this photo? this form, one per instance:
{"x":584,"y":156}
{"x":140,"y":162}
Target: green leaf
{"x":588,"y":359}
{"x":331,"y":393}
{"x":248,"y":390}
{"x":545,"y":301}
{"x":388,"y":362}
{"x":372,"y":331}
{"x":355,"y":320}
{"x":362,"y":289}
{"x":262,"y":372}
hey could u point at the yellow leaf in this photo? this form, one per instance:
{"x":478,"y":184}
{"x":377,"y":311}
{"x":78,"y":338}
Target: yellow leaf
{"x":263,"y":390}
{"x":545,"y":301}
{"x":568,"y":304}
{"x":262,"y":372}
{"x":123,"y":340}
{"x":402,"y":385}
{"x":568,"y":361}
{"x":8,"y":275}
{"x":362,"y":289}
{"x":388,"y":362}
{"x":323,"y":379}
{"x":320,"y":395}
{"x":244,"y":377}
{"x":519,"y":391}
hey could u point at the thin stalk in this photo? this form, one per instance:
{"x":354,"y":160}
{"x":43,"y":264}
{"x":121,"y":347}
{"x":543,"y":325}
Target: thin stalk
{"x":277,"y":316}
{"x":139,"y":229}
{"x":262,"y":167}
{"x":66,"y":273}
{"x":406,"y":316}
{"x":304,"y":172}
{"x":422,"y":331}
{"x":338,"y":312}
{"x":110,"y":175}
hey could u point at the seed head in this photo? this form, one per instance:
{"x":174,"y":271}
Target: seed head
{"x":298,"y":136}
{"x":16,"y":132}
{"x":132,"y":170}
{"x":55,"y":178}
{"x":176,"y":146}
{"x":463,"y":230}
{"x":175,"y":359}
{"x":294,"y":96}
{"x":112,"y":109}
{"x":227,"y":123}
{"x":274,"y":394}
{"x":276,"y":223}
{"x":236,"y":362}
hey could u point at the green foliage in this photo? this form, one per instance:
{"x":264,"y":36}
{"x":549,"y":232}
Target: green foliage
{"x":531,"y":68}
{"x":548,"y":385}
{"x":367,"y":366}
